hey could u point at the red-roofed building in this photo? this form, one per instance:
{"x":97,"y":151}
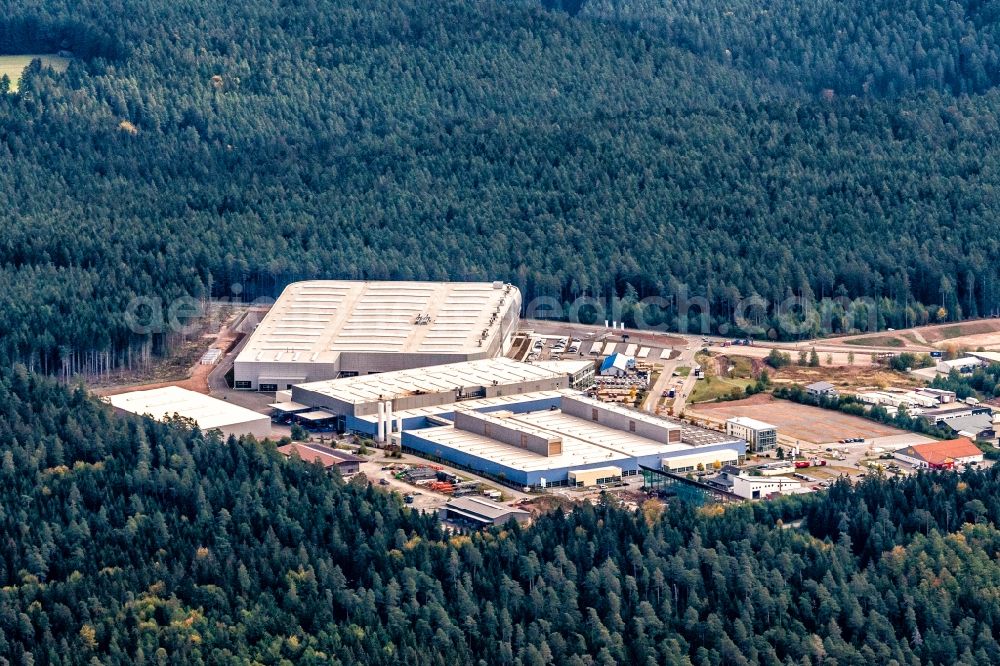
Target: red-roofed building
{"x":345,"y":462}
{"x":941,"y":455}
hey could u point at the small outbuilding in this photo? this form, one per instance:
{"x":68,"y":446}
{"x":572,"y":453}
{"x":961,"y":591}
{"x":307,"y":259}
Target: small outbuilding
{"x":822,"y":390}
{"x":617,"y":365}
{"x":595,"y":476}
{"x":345,"y":463}
{"x":481,"y":512}
{"x":965,"y":365}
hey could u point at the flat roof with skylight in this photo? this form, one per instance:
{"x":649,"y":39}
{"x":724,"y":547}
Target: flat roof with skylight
{"x":426,"y":387}
{"x":569,"y":441}
{"x":753,"y":424}
{"x":575,"y":453}
{"x":497,"y":403}
{"x":327,"y":327}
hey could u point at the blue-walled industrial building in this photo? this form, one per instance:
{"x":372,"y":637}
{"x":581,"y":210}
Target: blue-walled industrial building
{"x":515,"y":422}
{"x":583,"y":443}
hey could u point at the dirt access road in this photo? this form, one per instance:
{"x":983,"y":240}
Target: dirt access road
{"x":199,"y":377}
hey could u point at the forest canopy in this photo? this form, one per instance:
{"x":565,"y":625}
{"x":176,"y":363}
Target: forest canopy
{"x":572,"y":147}
{"x":133,"y":542}
{"x":725,"y":151}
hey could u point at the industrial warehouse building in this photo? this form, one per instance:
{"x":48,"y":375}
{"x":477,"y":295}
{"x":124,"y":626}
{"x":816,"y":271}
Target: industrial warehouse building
{"x":734,"y":481}
{"x":444,"y":414}
{"x":965,"y":365}
{"x":344,"y":462}
{"x":520,"y":423}
{"x":979,"y":427}
{"x":360,"y":403}
{"x":617,"y":365}
{"x":208,"y":412}
{"x":558,"y":446}
{"x":481,"y":512}
{"x":320,"y":330}
{"x":941,"y":455}
{"x":822,"y":390}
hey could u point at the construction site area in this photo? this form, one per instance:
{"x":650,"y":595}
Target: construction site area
{"x":797,"y":422}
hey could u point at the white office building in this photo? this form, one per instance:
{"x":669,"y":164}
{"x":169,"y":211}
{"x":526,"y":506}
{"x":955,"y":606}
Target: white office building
{"x":762,"y":437}
{"x":759,"y":487}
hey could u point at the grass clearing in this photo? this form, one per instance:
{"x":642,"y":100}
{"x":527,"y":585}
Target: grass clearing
{"x":877,"y":341}
{"x":14,"y":65}
{"x":711,"y":388}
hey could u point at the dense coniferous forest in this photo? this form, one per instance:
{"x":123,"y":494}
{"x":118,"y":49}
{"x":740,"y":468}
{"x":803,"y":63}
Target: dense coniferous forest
{"x":606,"y":147}
{"x":132,"y":542}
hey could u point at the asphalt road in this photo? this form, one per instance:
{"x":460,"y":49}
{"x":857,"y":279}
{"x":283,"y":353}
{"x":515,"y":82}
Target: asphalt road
{"x":666,"y":378}
{"x":688,"y":345}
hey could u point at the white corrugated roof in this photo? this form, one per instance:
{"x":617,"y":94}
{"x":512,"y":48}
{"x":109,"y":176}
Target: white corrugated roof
{"x":964,"y":361}
{"x":432,"y":379}
{"x":314,"y":321}
{"x":481,"y":404}
{"x":207,"y":411}
{"x":565,"y":367}
{"x":748,"y":422}
{"x":482,"y":506}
